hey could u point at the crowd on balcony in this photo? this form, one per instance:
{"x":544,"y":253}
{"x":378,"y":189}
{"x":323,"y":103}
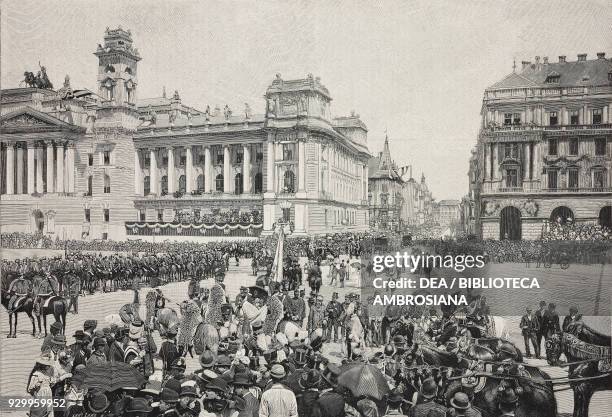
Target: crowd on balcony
{"x":216,"y":216}
{"x":570,"y":230}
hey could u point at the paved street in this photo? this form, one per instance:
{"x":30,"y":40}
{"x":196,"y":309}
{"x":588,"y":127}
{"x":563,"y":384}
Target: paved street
{"x":17,"y":355}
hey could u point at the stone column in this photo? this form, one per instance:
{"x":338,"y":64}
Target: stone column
{"x":605,"y":114}
{"x":50,"y":159}
{"x":39,"y":168}
{"x":270,"y":174}
{"x":536,"y":160}
{"x":246,"y":169}
{"x":20,"y":170}
{"x":10,"y":168}
{"x":171,"y":171}
{"x":207,"y":170}
{"x":301,"y":166}
{"x":494,"y":167}
{"x":30,"y":164}
{"x":226,"y":169}
{"x":70,"y":167}
{"x":188,"y":169}
{"x":485,"y":162}
{"x":528,"y":174}
{"x":154,"y":181}
{"x":59,"y":181}
{"x":138,"y":180}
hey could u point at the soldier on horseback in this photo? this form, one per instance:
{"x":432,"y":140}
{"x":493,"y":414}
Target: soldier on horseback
{"x":20,"y":287}
{"x":44,"y":287}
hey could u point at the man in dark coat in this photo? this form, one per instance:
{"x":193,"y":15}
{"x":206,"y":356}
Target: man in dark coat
{"x":540,"y":316}
{"x":168,"y":351}
{"x":551,"y":323}
{"x":55,"y":328}
{"x":529,"y":328}
{"x":572,"y":317}
{"x":426,"y":404}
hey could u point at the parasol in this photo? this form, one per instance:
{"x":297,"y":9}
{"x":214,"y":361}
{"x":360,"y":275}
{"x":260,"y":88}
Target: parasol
{"x":356,"y":265}
{"x":110,"y":376}
{"x":364,"y":380}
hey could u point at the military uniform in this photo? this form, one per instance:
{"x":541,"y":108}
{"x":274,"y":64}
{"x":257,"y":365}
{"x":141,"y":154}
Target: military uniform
{"x":333,"y":312}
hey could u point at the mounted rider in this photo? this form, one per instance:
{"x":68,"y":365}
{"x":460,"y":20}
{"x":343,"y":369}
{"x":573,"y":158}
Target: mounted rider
{"x":20,"y":287}
{"x":44,"y":287}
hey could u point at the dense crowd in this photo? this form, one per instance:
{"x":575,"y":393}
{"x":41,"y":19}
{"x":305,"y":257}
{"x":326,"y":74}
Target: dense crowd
{"x":217,"y":216}
{"x":554,"y":231}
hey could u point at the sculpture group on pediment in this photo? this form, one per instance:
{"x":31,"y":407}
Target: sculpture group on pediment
{"x":40,"y":80}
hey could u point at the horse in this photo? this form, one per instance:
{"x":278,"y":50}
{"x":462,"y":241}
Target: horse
{"x":586,"y":360}
{"x":588,"y":334}
{"x":56,"y":305}
{"x":24,"y":304}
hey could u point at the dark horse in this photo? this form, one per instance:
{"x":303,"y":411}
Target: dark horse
{"x":26,"y":305}
{"x":537,"y":397}
{"x":55,"y":305}
{"x":587,"y":360}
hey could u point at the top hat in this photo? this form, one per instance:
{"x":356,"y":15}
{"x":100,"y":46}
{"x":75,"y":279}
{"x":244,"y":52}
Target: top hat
{"x":270,"y":355}
{"x":99,"y":341}
{"x":300,"y":356}
{"x":98,"y":403}
{"x":79,"y":334}
{"x":138,"y":405}
{"x":429,"y":388}
{"x":168,"y":395}
{"x":395,"y":398}
{"x":242,"y":379}
{"x":207,"y":359}
{"x":56,"y":326}
{"x":460,"y":401}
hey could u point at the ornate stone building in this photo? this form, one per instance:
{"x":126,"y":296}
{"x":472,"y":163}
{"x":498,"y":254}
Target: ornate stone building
{"x":109,"y":166}
{"x":544,"y":149}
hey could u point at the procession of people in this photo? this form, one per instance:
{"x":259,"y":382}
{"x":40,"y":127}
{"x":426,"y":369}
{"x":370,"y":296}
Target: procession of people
{"x":281,"y":347}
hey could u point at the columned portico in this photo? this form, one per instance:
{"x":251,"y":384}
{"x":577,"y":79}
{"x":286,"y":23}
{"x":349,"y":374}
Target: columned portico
{"x":50,"y":160}
{"x":226,"y":170}
{"x":138,"y":184}
{"x":270,"y":167}
{"x":188,"y":169}
{"x":59,"y":186}
{"x":207,"y":170}
{"x":30,"y":166}
{"x":40,"y":189}
{"x":70,"y":167}
{"x":171,"y":171}
{"x":10,"y":168}
{"x":246,"y":169}
{"x":20,"y":169}
{"x":154,"y":172}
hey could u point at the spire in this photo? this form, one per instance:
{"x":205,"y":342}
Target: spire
{"x":385,"y":159}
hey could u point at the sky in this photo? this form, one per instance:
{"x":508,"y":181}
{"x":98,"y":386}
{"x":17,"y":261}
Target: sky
{"x":415,"y":69}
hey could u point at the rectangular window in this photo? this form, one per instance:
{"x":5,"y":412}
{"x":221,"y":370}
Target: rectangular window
{"x":160,"y":215}
{"x":552,"y":178}
{"x":516,"y":119}
{"x":288,"y":151}
{"x":183,"y":160}
{"x":511,"y":150}
{"x":239,"y":157}
{"x":106,"y":215}
{"x":87,"y":215}
{"x":259,"y":157}
{"x":511,"y":178}
{"x":507,"y":119}
{"x":104,"y":236}
{"x":574,"y":117}
{"x":286,"y":214}
{"x":596,"y":116}
{"x":552,"y":146}
{"x":219,"y":158}
{"x":553,"y":119}
{"x":165,"y":161}
{"x":573,"y":146}
{"x":142,"y":215}
{"x":600,"y":146}
{"x":106,"y":157}
{"x":147,"y":160}
{"x":90,"y":159}
{"x":572,"y":178}
{"x":599,"y":178}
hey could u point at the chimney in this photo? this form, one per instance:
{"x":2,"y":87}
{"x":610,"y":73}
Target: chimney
{"x":562,"y":59}
{"x":545,"y":60}
{"x":582,"y":57}
{"x":601,"y":55}
{"x":525,"y":64}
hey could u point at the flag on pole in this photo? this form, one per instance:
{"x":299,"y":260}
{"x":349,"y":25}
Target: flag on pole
{"x":277,"y":266}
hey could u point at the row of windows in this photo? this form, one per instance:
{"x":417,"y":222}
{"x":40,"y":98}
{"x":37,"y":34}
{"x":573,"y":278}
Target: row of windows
{"x":105,"y":215}
{"x":348,"y":216}
{"x":598,"y":178}
{"x":553,"y":118}
{"x":238,"y":158}
{"x":106,"y":158}
{"x":600,"y":146}
{"x":257,"y":185}
{"x":106,"y":189}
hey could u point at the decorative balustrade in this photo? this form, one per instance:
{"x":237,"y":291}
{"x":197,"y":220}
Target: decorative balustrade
{"x":193,"y":229}
{"x":523,"y":127}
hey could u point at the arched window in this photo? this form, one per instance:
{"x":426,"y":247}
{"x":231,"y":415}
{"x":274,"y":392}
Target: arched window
{"x":89,"y":185}
{"x":238,"y":184}
{"x":219,"y":182}
{"x":147,"y":185}
{"x":164,"y":185}
{"x":561,"y":215}
{"x":107,"y":184}
{"x":200,"y":181}
{"x":289,"y":182}
{"x":182,"y":184}
{"x":258,"y":186}
{"x":605,"y":217}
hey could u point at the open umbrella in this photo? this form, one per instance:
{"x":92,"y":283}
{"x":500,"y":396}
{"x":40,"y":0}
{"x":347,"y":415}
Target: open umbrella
{"x":111,"y":376}
{"x":364,"y":380}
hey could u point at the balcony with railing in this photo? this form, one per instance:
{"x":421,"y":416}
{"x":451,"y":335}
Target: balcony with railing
{"x":534,"y":127}
{"x":534,"y":187}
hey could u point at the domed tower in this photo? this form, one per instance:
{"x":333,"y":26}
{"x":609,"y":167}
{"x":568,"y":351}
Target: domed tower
{"x":117,"y":67}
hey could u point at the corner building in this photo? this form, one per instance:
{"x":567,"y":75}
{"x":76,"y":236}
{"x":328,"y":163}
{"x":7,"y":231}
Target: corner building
{"x":107,"y":165}
{"x":544,"y":150}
